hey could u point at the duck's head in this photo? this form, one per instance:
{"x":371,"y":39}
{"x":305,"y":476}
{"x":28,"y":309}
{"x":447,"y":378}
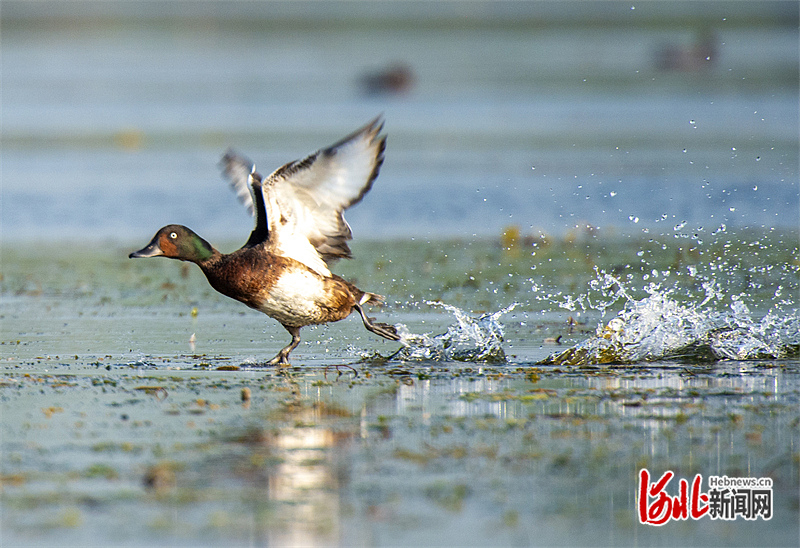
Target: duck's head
{"x":176,"y":242}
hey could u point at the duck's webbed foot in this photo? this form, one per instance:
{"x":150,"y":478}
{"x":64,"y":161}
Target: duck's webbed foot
{"x":383,"y":329}
{"x":282,"y":358}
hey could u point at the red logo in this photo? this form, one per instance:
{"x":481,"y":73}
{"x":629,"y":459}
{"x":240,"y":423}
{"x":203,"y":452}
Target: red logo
{"x":664,"y":508}
{"x":727,"y":499}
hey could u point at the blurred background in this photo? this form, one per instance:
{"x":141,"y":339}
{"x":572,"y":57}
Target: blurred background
{"x":549,"y":117}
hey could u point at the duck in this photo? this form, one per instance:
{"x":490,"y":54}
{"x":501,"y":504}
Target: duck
{"x":283,"y":269}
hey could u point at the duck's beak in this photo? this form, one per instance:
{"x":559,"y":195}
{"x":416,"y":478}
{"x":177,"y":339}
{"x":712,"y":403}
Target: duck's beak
{"x":152,"y":250}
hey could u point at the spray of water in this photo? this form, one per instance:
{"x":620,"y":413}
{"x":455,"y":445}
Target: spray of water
{"x":470,"y":339}
{"x":661,"y":327}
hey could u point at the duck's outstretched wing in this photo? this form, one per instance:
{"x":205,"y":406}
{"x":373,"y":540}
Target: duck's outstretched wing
{"x":305,"y":199}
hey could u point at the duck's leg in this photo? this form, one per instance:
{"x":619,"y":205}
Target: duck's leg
{"x":383,"y":329}
{"x":283,"y":356}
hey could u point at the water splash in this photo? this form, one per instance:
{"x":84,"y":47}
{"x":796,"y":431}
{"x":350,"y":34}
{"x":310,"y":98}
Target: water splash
{"x":659,"y":327}
{"x":470,"y":339}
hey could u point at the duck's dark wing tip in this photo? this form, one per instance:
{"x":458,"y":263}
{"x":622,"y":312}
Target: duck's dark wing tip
{"x":237,"y":168}
{"x":371,"y":129}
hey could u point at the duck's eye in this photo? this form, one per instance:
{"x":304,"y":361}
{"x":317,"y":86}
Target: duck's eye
{"x":173,"y":235}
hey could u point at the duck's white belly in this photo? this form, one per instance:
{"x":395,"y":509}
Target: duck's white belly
{"x":295,"y":298}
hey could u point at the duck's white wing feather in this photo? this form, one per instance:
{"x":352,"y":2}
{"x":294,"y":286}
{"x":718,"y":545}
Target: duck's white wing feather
{"x":311,"y":194}
{"x":305,"y":200}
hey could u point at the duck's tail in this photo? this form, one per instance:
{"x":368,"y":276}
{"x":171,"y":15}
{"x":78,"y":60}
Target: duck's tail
{"x":372,"y":298}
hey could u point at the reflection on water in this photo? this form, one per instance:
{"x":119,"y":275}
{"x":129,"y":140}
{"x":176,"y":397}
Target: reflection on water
{"x":305,"y":484}
{"x":620,"y":392}
{"x":292,"y":471}
{"x":516,"y":438}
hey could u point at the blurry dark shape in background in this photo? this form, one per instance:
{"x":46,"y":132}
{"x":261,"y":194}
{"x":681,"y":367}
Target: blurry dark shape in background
{"x":699,"y":56}
{"x":394,"y":79}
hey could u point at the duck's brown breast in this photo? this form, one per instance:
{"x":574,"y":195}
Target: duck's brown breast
{"x":282,"y":288}
{"x":245,"y":274}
